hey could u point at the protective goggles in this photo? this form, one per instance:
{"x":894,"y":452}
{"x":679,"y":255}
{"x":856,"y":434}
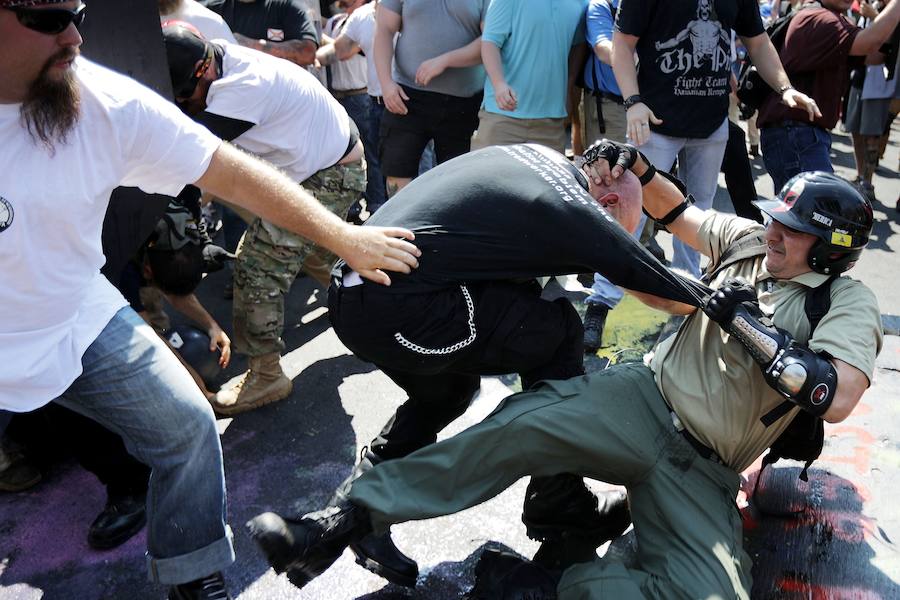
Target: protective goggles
{"x":50,"y":21}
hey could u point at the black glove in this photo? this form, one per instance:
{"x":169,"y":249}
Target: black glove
{"x":214,"y":258}
{"x":720,"y":306}
{"x":624,"y":155}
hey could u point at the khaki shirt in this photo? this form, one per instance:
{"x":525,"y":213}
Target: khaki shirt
{"x":710,"y":380}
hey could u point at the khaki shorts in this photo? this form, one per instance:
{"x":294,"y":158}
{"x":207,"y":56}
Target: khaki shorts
{"x":501,"y":130}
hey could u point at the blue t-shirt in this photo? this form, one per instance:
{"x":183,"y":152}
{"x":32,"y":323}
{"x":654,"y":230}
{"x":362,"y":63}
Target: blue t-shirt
{"x":598,"y":75}
{"x":534,"y":38}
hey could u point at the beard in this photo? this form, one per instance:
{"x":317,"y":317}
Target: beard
{"x":167,"y":7}
{"x":52,"y":107}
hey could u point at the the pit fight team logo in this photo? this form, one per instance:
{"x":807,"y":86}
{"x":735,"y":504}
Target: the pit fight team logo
{"x":6,"y":214}
{"x":700,"y":52}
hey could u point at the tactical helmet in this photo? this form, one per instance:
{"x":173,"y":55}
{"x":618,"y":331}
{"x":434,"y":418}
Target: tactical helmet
{"x":826,"y":206}
{"x":193,"y":346}
{"x":184,"y":47}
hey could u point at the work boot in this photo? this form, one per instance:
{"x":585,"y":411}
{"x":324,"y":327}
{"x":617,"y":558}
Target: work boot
{"x":211,"y":587}
{"x":305,"y":548}
{"x":123,"y":516}
{"x":262,"y":384}
{"x":501,"y":575}
{"x":565,"y":543}
{"x":594,"y":321}
{"x":16,"y":473}
{"x":377,"y":553}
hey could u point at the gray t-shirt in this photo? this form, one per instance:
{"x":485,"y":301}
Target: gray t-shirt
{"x":431,"y":28}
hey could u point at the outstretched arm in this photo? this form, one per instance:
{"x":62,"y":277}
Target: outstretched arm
{"x":466,"y":56}
{"x":261,"y":189}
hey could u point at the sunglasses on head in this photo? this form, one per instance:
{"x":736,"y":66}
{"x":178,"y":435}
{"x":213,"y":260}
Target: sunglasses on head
{"x":49,"y":20}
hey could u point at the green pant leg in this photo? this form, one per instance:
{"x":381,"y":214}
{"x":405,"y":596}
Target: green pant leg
{"x":267,"y":264}
{"x":602,"y":426}
{"x":689,"y":536}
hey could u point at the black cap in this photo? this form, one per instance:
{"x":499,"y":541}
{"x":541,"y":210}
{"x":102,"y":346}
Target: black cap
{"x":184,"y":47}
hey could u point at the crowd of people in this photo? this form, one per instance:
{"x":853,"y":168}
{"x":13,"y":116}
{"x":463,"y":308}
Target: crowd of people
{"x":419,"y":160}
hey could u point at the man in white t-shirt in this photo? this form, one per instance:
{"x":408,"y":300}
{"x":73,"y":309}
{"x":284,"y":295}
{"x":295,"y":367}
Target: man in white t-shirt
{"x":72,"y":131}
{"x":279,"y":112}
{"x":210,"y":24}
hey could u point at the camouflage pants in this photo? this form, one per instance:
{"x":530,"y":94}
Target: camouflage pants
{"x":270,"y":257}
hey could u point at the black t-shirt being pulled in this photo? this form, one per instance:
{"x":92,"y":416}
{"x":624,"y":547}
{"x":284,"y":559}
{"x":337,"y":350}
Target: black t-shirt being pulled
{"x":273,"y":20}
{"x":513,"y":212}
{"x":685,"y":58}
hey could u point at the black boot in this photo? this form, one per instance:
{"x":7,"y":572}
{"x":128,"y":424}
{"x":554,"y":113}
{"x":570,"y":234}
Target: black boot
{"x":594,"y":322}
{"x":123,"y":517}
{"x":211,"y":587}
{"x":377,"y":553}
{"x":305,"y":548}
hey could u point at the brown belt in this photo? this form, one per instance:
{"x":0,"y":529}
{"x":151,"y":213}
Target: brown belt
{"x":345,"y":93}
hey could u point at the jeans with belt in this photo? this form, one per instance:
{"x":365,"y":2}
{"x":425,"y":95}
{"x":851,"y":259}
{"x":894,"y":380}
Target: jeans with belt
{"x":793,"y":147}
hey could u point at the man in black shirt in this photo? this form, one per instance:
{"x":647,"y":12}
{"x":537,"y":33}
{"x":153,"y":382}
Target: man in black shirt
{"x":488,"y":223}
{"x":281,"y":28}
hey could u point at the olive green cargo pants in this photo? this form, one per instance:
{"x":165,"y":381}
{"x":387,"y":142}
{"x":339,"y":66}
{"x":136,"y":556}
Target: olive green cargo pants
{"x":612,"y":426}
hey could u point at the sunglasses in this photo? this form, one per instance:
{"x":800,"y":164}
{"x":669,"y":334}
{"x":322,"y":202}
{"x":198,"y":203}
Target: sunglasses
{"x":50,"y":21}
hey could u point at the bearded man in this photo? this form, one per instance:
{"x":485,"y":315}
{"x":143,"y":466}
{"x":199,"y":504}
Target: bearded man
{"x":72,"y":132}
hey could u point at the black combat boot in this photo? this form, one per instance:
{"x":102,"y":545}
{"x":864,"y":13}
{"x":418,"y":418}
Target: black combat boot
{"x":305,"y":548}
{"x":377,"y":553}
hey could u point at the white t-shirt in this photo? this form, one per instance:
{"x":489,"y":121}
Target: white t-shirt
{"x":360,"y":28}
{"x":210,"y":24}
{"x":298,"y":125}
{"x":347,"y":74}
{"x":55,"y":301}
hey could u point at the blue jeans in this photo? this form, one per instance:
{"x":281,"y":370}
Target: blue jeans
{"x":794,"y":148}
{"x":133,"y":385}
{"x":362,"y":110}
{"x":699,"y":162}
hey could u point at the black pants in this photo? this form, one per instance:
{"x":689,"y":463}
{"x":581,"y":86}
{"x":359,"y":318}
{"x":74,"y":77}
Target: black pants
{"x":54,"y":431}
{"x":436,"y":345}
{"x":738,"y":174}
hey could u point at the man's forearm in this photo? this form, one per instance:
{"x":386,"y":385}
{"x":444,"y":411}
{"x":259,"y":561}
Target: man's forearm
{"x":301,"y":52}
{"x":190,"y":307}
{"x":256,"y":186}
{"x":672,"y":307}
{"x":603,"y":51}
{"x":467,"y":56}
{"x":872,"y":37}
{"x":623,"y":64}
{"x":493,"y":64}
{"x":383,"y":47}
{"x":767,"y":62}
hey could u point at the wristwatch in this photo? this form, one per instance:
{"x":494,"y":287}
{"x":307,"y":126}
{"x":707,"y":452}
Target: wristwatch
{"x":631,"y":101}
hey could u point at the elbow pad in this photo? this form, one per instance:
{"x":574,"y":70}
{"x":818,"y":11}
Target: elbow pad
{"x":791,"y":369}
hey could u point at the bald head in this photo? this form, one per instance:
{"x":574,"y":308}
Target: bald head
{"x":622,"y":198}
